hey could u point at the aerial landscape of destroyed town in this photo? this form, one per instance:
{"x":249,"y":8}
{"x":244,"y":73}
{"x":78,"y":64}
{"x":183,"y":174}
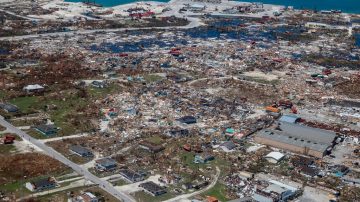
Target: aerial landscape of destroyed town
{"x":178,"y":101}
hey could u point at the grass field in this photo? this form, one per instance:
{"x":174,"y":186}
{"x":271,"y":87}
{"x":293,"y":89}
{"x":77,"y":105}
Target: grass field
{"x":119,"y":182}
{"x":102,"y":92}
{"x":70,"y":107}
{"x":141,"y":196}
{"x":155,"y":139}
{"x":218,"y":191}
{"x":18,"y":188}
{"x":150,"y":78}
{"x":67,"y":107}
{"x":35,"y":134}
{"x":26,"y":104}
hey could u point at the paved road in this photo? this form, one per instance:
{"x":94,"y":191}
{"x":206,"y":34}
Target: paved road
{"x":51,"y":152}
{"x":64,"y":137}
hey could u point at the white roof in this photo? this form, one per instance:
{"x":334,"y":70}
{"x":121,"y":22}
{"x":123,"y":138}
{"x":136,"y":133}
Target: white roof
{"x":275,"y":155}
{"x":283,"y":185}
{"x":33,"y":87}
{"x":90,"y":195}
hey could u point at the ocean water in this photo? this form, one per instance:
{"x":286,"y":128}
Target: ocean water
{"x":110,"y":3}
{"x":357,"y":40}
{"x":350,"y":6}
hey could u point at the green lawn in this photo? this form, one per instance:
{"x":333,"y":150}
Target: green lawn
{"x":66,"y":108}
{"x":16,"y":187}
{"x":69,"y":108}
{"x":141,"y":196}
{"x":102,"y":92}
{"x":35,"y":134}
{"x":188,"y":159}
{"x":25,"y":104}
{"x":155,"y":139}
{"x":119,"y":182}
{"x":218,"y":191}
{"x":150,"y":78}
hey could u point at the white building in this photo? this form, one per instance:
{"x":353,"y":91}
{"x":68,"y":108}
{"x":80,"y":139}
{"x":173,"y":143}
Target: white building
{"x":274,"y":157}
{"x":275,"y":191}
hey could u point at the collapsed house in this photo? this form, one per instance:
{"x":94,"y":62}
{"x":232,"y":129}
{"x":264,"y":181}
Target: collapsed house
{"x":274,"y":191}
{"x":151,"y":147}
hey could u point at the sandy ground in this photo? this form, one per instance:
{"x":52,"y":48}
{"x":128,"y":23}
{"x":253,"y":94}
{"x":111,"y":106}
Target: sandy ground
{"x":314,"y":195}
{"x":261,"y":75}
{"x":130,"y":188}
{"x":24,"y":146}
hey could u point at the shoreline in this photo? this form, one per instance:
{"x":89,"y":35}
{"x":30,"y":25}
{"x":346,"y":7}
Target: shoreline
{"x":236,"y":1}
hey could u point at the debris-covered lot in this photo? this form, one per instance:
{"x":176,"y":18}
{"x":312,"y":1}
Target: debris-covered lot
{"x":245,"y":105}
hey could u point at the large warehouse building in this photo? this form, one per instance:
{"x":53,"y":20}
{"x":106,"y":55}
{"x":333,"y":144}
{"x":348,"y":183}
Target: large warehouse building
{"x":298,"y":138}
